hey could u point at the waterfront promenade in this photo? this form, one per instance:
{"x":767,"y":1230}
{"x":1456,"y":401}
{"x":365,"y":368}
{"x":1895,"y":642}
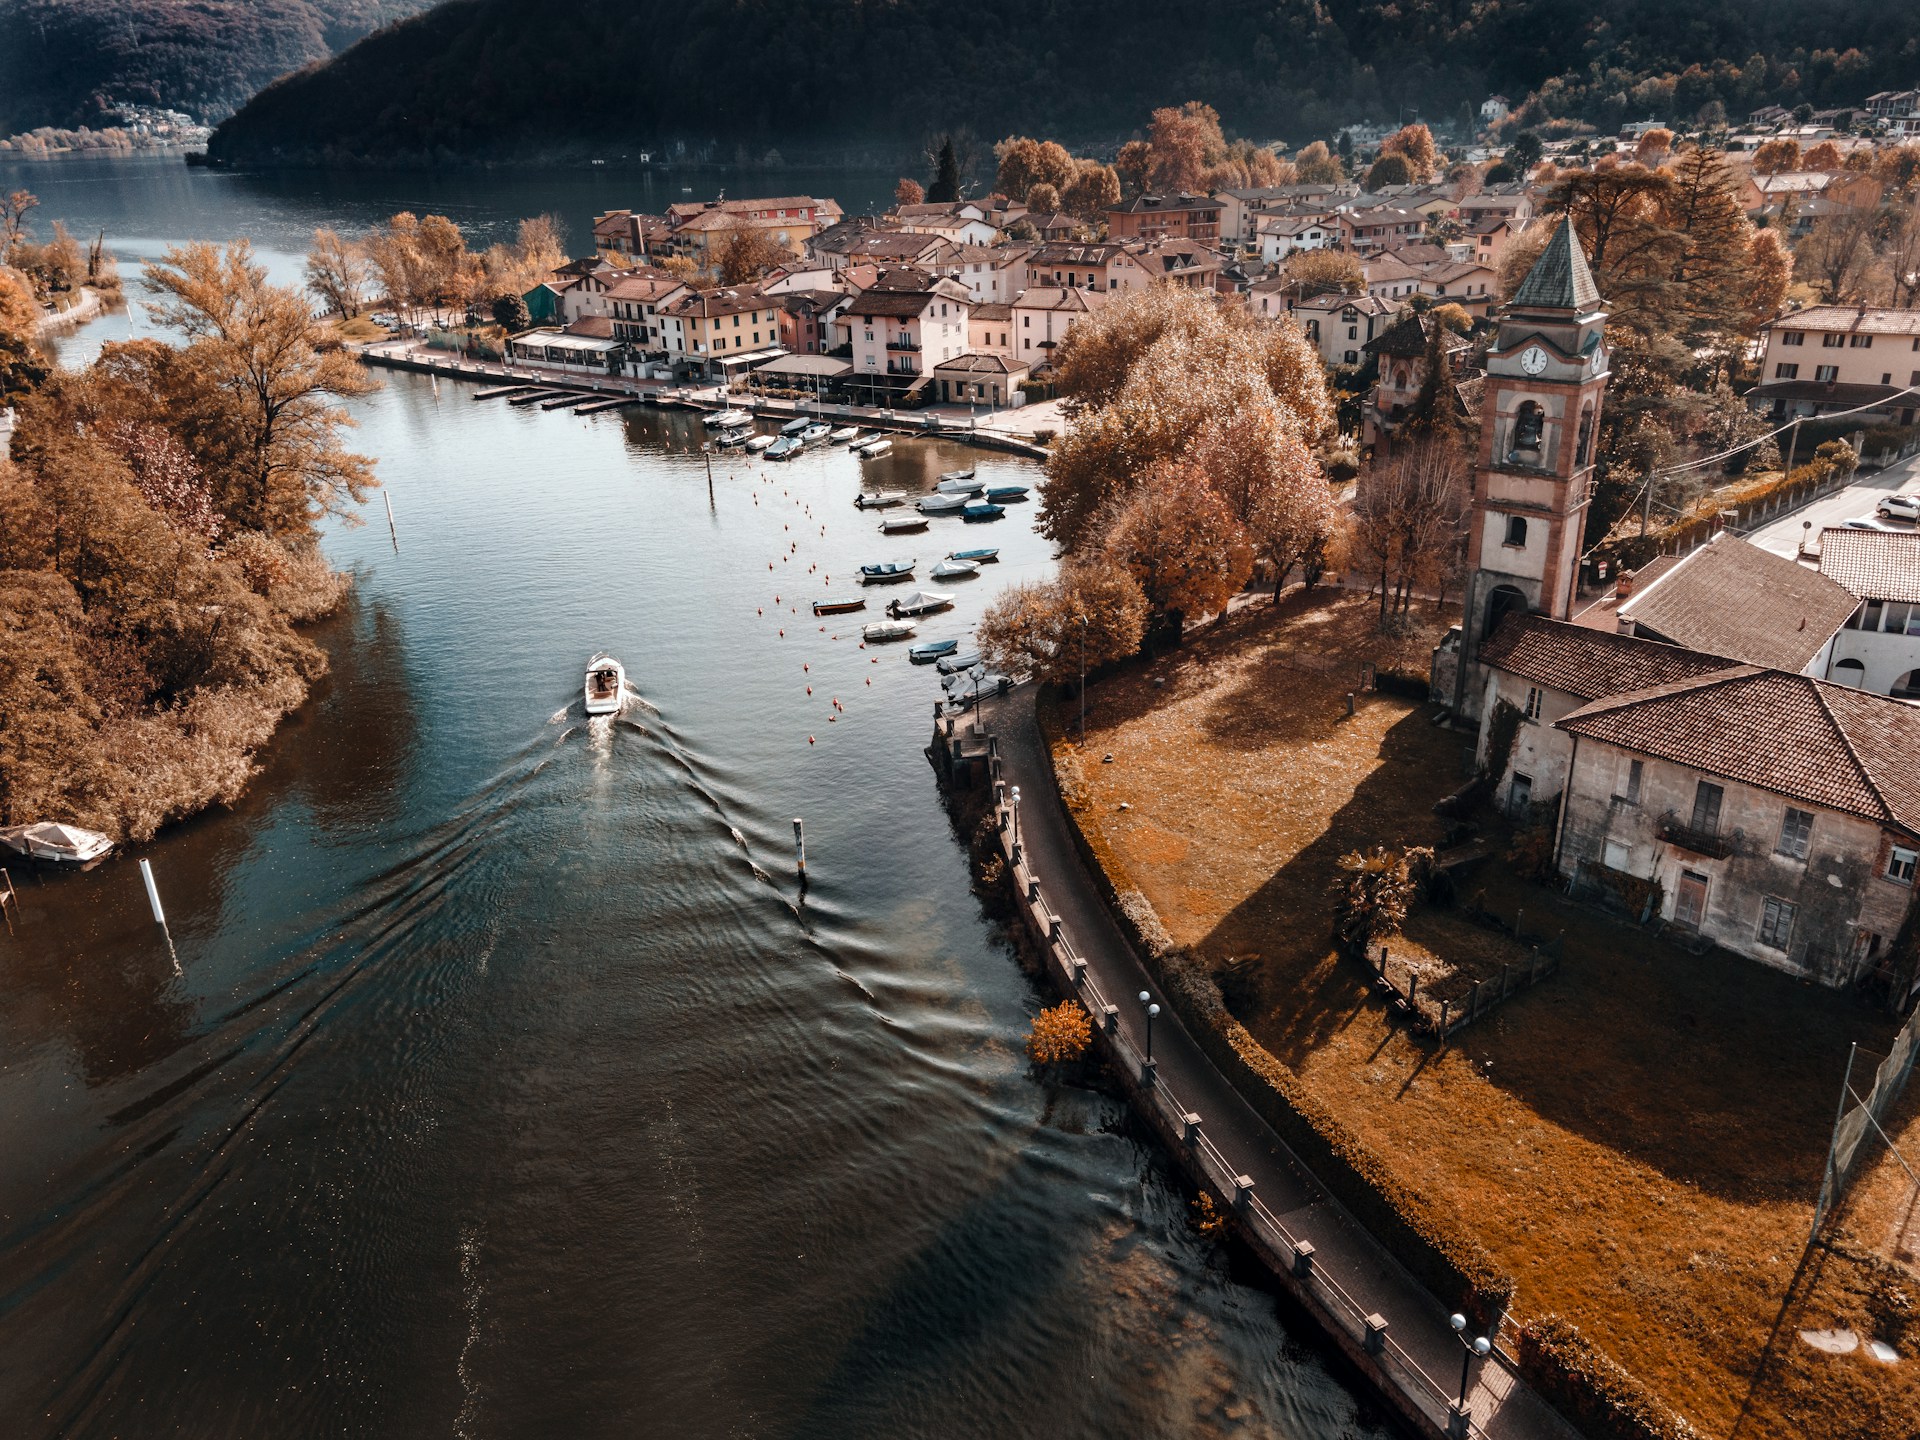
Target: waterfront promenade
{"x":1346,"y":1276}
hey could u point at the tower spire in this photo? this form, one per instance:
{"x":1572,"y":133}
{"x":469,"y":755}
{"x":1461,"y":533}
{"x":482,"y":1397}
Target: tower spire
{"x":1560,"y":279}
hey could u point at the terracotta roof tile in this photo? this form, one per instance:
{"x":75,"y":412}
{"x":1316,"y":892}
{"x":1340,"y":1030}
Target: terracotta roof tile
{"x":1873,"y":564}
{"x":1590,"y":664}
{"x":1733,"y":598}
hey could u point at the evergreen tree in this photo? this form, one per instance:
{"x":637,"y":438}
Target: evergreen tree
{"x":945,"y":188}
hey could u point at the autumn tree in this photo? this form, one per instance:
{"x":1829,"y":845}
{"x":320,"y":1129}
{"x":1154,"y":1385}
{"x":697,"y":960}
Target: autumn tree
{"x":1182,"y":141}
{"x":746,"y":253}
{"x":1414,"y":144}
{"x":1324,"y":271}
{"x":13,"y":221}
{"x":1271,"y":482}
{"x":1317,"y":165}
{"x":1825,"y":156}
{"x":1060,"y":1034}
{"x":1653,"y":147}
{"x":338,"y":273}
{"x":1389,"y":170}
{"x":1094,"y":191}
{"x":1408,"y":517}
{"x":1776,"y":156}
{"x":21,"y":368}
{"x":908,"y":192}
{"x":1092,"y":612}
{"x":1026,"y":162}
{"x":1175,"y":535}
{"x":1043,"y":199}
{"x":271,"y":383}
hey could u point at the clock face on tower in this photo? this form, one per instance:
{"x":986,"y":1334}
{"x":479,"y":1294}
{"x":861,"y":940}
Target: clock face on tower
{"x":1533,"y":360}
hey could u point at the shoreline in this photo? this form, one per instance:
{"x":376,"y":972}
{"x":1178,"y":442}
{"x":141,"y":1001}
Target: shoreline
{"x":91,"y":305}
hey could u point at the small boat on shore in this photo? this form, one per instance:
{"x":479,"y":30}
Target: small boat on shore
{"x":887,"y":630}
{"x":785,"y":448}
{"x":966,"y":474}
{"x":973,"y":514}
{"x":728,"y":419}
{"x":794,"y":427}
{"x":940,"y":504}
{"x":950,"y":486}
{"x":921,"y":602}
{"x":606,"y":685}
{"x":52,"y":841}
{"x":955,"y":569}
{"x":954,"y":664}
{"x":875,"y":447}
{"x":887,"y":574}
{"x":879,"y":499}
{"x":760,"y":442}
{"x":930,"y":650}
{"x":979,"y":557}
{"x":903,"y":524}
{"x":1007,"y":494}
{"x":839,"y":607}
{"x":813,"y":434}
{"x":842,"y":436}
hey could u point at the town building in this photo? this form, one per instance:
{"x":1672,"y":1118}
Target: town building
{"x":1042,"y":316}
{"x":901,"y":328}
{"x":721,"y":333}
{"x":1879,"y":648}
{"x":1840,"y":357}
{"x":1160,"y":217}
{"x":989,"y":380}
{"x":1280,"y":235}
{"x":1401,"y":353}
{"x":700,"y":228}
{"x":1339,"y":326}
{"x":633,"y":303}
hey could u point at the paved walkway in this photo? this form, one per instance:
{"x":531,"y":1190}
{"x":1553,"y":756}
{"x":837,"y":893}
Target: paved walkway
{"x":1353,"y":1275}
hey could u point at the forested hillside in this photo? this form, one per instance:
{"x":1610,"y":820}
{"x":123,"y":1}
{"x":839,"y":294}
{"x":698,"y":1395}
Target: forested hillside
{"x":493,"y":78}
{"x":63,"y":61}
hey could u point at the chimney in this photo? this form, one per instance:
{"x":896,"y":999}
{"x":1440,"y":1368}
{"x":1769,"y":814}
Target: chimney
{"x":1623,"y":587}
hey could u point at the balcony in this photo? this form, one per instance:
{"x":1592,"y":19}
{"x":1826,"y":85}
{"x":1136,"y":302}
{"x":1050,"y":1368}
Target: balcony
{"x":903,"y":342}
{"x":902,"y":367}
{"x":1710,"y":843}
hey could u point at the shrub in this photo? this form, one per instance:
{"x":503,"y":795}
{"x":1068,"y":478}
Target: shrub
{"x":1370,"y":897}
{"x":1060,"y":1034}
{"x":1591,"y":1390}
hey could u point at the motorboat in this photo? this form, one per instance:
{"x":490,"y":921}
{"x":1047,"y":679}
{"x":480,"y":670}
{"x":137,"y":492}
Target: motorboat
{"x":785,"y":448}
{"x":955,"y":569}
{"x":887,"y":630}
{"x":976,"y":513}
{"x":966,"y":485}
{"x":730,"y":438}
{"x":887,"y":574}
{"x":879,"y":499}
{"x":875,"y":447}
{"x":966,"y":474}
{"x":861,"y":440}
{"x":921,"y":602}
{"x":815,"y":433}
{"x":841,"y":436}
{"x":979,"y":557}
{"x":928,"y":650}
{"x":760,"y":442}
{"x":60,"y":843}
{"x":953,"y":664}
{"x":902,"y":524}
{"x":940,"y":504}
{"x":1007,"y":494}
{"x":838,"y":607}
{"x":728,"y":419}
{"x":794,"y":427}
{"x":606,"y":685}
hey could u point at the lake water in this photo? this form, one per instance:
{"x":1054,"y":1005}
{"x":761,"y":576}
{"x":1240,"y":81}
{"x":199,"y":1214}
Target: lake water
{"x":507,"y":1085}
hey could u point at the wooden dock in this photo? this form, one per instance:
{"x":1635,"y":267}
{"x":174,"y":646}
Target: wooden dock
{"x":598,"y":405}
{"x":539,"y":392}
{"x":501,"y":392}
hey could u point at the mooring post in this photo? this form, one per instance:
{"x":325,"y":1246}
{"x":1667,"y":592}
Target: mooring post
{"x":159,"y":915}
{"x":392,"y":530}
{"x":800,"y":847}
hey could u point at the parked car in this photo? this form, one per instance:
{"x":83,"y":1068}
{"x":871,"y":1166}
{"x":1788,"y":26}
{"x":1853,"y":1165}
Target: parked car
{"x":1899,"y":507}
{"x":1869,"y":522}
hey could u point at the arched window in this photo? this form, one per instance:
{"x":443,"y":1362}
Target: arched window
{"x":1850,"y":672}
{"x":1502,"y":601}
{"x":1529,"y":426}
{"x":1585,"y":446}
{"x":1907,"y":687}
{"x":1517,"y":531}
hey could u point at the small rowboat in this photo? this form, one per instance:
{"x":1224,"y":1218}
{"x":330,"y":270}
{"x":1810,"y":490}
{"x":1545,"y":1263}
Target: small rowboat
{"x":606,"y":685}
{"x":875,"y":447}
{"x":760,"y":442}
{"x":879,"y":499}
{"x":838,"y":607}
{"x":794,"y":427}
{"x":961,"y":485}
{"x":728,"y":419}
{"x":955,"y":570}
{"x":921,"y":602}
{"x":814,"y":434}
{"x":887,"y":574}
{"x":954,"y":664}
{"x":940,"y":504}
{"x":841,"y":436}
{"x":975,"y":513}
{"x":1007,"y":494}
{"x":979,"y":557}
{"x":966,"y":474}
{"x":51,"y":840}
{"x":860,"y":442}
{"x":902,"y":524}
{"x":887,"y":630}
{"x":928,"y":650}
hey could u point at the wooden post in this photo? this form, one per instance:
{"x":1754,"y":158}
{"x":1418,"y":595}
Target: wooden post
{"x":1443,"y":1020}
{"x":1413,"y":986}
{"x":1473,"y":1002}
{"x":800,"y":848}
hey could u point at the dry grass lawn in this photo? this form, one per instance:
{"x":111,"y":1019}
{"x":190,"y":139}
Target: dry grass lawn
{"x":1638,"y":1139}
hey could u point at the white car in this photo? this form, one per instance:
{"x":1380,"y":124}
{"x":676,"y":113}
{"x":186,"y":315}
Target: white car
{"x":1899,"y":507}
{"x":1869,"y":522}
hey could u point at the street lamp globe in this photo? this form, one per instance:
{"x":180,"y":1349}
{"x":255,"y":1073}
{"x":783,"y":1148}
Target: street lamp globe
{"x":1144,"y":997}
{"x":1459,"y":1322}
{"x":1482,"y":1345}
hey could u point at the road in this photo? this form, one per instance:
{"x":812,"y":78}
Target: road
{"x":1783,"y":536}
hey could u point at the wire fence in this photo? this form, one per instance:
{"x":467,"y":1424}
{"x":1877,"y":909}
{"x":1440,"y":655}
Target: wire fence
{"x":1861,"y":1120}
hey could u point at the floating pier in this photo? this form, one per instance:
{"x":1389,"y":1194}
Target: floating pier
{"x":598,"y":405}
{"x":500,"y":392}
{"x":567,"y":402}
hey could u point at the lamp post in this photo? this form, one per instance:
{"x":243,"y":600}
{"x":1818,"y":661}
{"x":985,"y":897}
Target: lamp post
{"x":1016,"y":823}
{"x":1083,"y":679}
{"x":1479,"y":1347}
{"x":1152,"y":1010}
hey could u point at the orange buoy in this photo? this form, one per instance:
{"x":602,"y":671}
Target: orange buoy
{"x":809,"y":689}
{"x":809,"y":739}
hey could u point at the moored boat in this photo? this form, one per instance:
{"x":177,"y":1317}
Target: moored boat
{"x":953,"y":664}
{"x":862,"y":439}
{"x":888,"y":574}
{"x":838,"y":607}
{"x":979,"y":557}
{"x":728,"y":419}
{"x":879,"y":499}
{"x":813,"y":434}
{"x":940,"y":504}
{"x":794,"y":427}
{"x":875,"y":447}
{"x":53,"y":841}
{"x":1004,"y":494}
{"x":967,"y":485}
{"x":902,"y":524}
{"x":887,"y":630}
{"x":606,"y":685}
{"x":966,"y":474}
{"x":921,"y":602}
{"x":842,"y":436}
{"x":760,"y":442}
{"x":955,"y":569}
{"x":928,"y":650}
{"x":730,"y":438}
{"x":785,"y":448}
{"x":974,"y":513}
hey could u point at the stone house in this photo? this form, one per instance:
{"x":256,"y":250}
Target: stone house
{"x":1161,"y":217}
{"x":1879,"y":648}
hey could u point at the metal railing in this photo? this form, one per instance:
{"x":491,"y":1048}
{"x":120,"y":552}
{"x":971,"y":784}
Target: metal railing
{"x":1289,"y":1252}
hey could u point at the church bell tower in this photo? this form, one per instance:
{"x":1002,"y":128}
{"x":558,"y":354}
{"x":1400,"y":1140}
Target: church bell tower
{"x":1539,"y":418}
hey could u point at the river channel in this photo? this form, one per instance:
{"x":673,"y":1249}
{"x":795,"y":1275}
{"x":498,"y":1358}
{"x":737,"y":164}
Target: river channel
{"x":507,"y":1085}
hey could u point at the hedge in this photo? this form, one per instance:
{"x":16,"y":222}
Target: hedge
{"x":1428,"y":1239}
{"x":1596,"y":1395}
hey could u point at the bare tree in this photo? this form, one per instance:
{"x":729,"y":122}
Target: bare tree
{"x":1836,"y":255}
{"x":1408,"y":521}
{"x":338,"y":273}
{"x":13,"y":221}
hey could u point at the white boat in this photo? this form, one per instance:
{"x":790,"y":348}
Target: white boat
{"x":813,"y":434}
{"x":730,"y":438}
{"x":966,"y":474}
{"x":875,"y":447}
{"x":50,"y":840}
{"x":954,"y":569}
{"x":953,"y":664}
{"x":860,"y":441}
{"x":887,"y":630}
{"x":728,"y":419}
{"x":921,"y":602}
{"x":902,"y":524}
{"x":958,"y":485}
{"x":606,"y":685}
{"x":941,"y":504}
{"x":842,"y":436}
{"x":794,"y":427}
{"x":759,"y":442}
{"x":879,"y":499}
